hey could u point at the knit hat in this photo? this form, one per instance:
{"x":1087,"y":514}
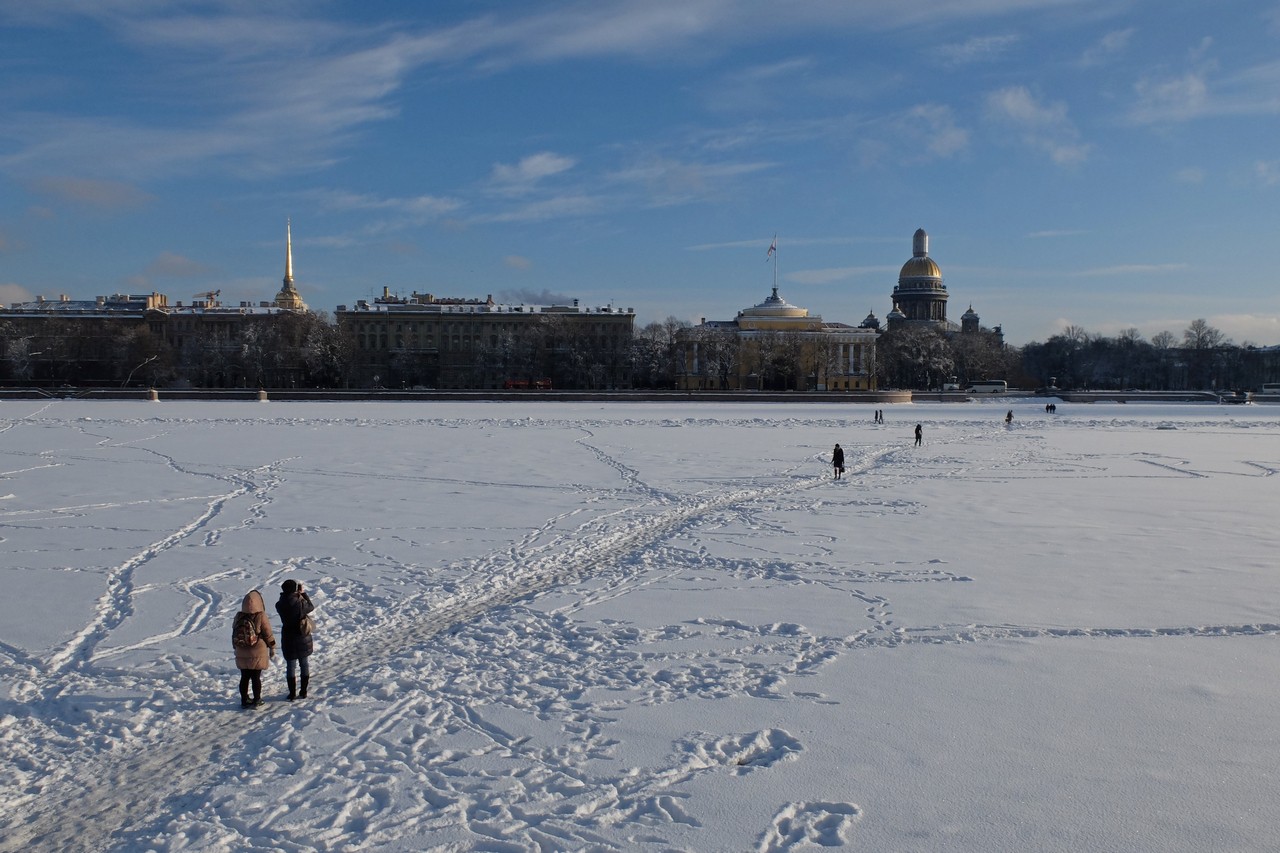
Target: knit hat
{"x":289,"y":586}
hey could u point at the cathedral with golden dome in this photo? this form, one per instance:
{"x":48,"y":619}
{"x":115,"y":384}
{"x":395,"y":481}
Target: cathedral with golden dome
{"x":920,"y":297}
{"x":775,"y":345}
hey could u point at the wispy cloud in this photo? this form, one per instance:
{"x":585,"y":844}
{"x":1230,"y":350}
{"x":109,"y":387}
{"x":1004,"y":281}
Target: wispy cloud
{"x":91,"y":193}
{"x":978,"y":49}
{"x":1042,"y":126}
{"x":1132,"y":269}
{"x":556,"y":207}
{"x":173,"y":265}
{"x":1107,"y":48}
{"x":918,"y":134}
{"x":1267,"y":172}
{"x":1203,"y":90}
{"x":1061,"y":232}
{"x":10,"y":293}
{"x":420,"y":207}
{"x":522,"y":177}
{"x":834,"y":274}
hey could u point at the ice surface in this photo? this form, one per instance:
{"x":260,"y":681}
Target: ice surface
{"x":643,"y":626}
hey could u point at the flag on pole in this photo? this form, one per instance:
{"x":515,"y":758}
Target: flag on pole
{"x":773,"y":247}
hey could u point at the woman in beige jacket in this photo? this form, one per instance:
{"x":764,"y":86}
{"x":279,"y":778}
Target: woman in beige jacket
{"x":252,"y":657}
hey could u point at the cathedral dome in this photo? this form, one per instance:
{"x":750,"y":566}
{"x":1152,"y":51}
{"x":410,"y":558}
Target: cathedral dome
{"x":775,"y":306}
{"x":922,"y":267}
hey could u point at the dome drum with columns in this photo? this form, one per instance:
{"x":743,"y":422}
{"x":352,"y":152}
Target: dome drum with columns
{"x":920,"y":297}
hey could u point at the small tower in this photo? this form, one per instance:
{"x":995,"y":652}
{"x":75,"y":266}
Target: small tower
{"x":288,"y":296}
{"x":969,"y":322}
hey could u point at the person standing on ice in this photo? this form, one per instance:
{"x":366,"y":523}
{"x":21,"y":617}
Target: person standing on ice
{"x":837,"y":461}
{"x":295,"y":636}
{"x":255,"y":645}
{"x":919,"y":434}
{"x":1008,"y":419}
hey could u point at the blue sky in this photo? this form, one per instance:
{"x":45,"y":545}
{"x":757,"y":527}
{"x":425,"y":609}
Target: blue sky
{"x":1103,"y":163}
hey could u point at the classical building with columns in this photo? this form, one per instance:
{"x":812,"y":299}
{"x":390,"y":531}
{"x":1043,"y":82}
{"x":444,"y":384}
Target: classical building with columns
{"x":775,"y":345}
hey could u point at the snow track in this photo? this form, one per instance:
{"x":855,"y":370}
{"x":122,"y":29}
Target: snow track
{"x":503,"y":695}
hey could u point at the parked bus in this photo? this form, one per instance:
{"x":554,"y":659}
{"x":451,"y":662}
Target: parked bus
{"x":988,"y":386}
{"x":1269,"y":388}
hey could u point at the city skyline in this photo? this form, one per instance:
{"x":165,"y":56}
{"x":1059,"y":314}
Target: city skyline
{"x":1100,"y":163}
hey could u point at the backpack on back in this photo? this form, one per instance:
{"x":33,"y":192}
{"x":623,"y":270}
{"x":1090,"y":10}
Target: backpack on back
{"x":244,"y":634}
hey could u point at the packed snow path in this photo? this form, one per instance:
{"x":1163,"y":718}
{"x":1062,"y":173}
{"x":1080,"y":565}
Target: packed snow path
{"x":654,"y":627}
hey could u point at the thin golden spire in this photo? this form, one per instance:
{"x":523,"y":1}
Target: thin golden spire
{"x":288,"y":251}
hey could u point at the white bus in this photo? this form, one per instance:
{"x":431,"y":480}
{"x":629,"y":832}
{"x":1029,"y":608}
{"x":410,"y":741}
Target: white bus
{"x":1270,"y":388}
{"x":989,"y":386}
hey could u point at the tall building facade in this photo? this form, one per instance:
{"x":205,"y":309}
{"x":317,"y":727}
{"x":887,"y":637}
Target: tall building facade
{"x":423,"y":340}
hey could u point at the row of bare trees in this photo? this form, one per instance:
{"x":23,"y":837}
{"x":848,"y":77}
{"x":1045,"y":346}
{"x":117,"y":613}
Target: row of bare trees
{"x":308,"y":350}
{"x":1202,"y":358}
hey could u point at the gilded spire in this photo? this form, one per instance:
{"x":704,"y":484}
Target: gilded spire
{"x":288,"y":252}
{"x":288,"y":296}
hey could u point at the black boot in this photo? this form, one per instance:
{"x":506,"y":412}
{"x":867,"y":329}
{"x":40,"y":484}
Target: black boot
{"x":302,"y":694}
{"x":244,"y":701}
{"x":293,"y":688}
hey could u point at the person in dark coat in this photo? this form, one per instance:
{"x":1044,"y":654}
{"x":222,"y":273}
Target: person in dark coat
{"x":919,"y":434}
{"x":837,"y":461}
{"x":293,"y":605}
{"x":252,"y":660}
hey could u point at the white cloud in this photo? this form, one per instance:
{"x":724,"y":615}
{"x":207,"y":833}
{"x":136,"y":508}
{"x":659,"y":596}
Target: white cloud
{"x":1133,"y":269}
{"x":91,"y":193}
{"x":1043,"y":126}
{"x":832,"y":274}
{"x":172,"y":265}
{"x":1267,"y":172}
{"x":978,"y":49}
{"x":1171,"y":98}
{"x":424,"y":206}
{"x":10,"y":293}
{"x":1106,"y":48}
{"x":523,"y":176}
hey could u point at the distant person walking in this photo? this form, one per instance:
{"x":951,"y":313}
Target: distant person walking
{"x":255,"y":645}
{"x":837,"y":461}
{"x":1009,"y":417}
{"x":919,"y":434}
{"x":295,"y":636}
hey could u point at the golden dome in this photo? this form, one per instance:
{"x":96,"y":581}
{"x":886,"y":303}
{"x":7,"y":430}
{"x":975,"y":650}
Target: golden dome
{"x":920,"y":267}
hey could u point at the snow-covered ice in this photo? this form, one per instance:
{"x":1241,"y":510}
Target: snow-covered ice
{"x":643,"y":627}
